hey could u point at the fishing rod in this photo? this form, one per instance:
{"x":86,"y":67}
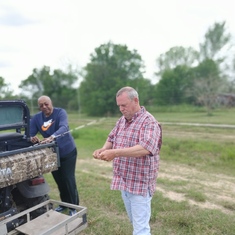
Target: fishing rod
{"x":66,"y":132}
{"x":76,"y":128}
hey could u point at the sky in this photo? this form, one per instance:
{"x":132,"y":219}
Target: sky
{"x":56,"y":33}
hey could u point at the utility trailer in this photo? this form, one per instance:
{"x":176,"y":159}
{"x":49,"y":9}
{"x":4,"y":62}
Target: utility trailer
{"x":25,"y":207}
{"x":50,"y":222}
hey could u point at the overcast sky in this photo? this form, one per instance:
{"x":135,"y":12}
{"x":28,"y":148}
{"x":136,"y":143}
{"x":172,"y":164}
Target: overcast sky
{"x":34,"y":33}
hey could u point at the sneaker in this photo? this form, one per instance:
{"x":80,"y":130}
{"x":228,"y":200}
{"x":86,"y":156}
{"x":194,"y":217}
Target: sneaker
{"x":72,"y":212}
{"x":60,"y":208}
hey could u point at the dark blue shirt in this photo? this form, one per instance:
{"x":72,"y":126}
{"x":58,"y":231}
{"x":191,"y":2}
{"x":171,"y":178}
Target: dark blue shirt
{"x":57,"y":125}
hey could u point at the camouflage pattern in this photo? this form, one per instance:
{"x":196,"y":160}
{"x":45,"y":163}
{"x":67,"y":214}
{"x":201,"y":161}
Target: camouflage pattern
{"x":23,"y":166}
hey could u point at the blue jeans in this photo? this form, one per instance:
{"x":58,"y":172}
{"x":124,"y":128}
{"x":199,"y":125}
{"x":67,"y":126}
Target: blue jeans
{"x":139,"y":211}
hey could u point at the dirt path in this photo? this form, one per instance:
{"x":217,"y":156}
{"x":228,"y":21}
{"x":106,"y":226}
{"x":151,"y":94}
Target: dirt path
{"x":218,"y":189}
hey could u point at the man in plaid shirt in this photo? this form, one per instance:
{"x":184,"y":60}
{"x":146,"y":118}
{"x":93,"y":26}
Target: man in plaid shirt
{"x":134,"y":146}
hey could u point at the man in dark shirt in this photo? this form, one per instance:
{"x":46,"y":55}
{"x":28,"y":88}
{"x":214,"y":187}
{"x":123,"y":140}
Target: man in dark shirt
{"x":52,"y":123}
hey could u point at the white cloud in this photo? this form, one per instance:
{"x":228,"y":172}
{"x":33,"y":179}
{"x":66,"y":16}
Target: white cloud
{"x":40,"y":32}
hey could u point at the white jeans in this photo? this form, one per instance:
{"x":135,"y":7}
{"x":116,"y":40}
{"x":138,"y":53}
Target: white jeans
{"x":139,"y":211}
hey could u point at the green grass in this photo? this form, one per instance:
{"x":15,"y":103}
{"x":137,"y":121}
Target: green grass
{"x":195,"y":187}
{"x":193,"y":114}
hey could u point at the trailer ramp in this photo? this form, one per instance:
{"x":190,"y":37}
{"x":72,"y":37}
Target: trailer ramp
{"x":51,"y":222}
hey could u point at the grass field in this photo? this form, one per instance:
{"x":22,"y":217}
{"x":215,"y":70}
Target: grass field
{"x":196,"y":183}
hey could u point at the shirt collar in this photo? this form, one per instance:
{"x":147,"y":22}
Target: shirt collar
{"x":136,"y":115}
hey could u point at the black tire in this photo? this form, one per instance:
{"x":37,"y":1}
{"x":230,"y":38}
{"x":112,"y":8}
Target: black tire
{"x":23,"y":203}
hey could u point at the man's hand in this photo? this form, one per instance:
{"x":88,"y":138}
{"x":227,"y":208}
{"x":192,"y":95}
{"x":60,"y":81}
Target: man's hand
{"x":106,"y":155}
{"x":34,"y":139}
{"x":47,"y":140}
{"x":96,"y":153}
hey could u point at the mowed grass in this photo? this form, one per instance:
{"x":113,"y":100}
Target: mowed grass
{"x":202,"y":155}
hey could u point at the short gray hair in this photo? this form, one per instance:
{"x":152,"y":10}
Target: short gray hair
{"x":131,"y":92}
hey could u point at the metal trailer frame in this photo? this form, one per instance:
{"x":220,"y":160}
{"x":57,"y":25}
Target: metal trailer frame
{"x":51,"y":222}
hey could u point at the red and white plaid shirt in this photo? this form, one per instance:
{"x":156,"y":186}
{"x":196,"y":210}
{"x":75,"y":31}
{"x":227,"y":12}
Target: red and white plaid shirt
{"x":136,"y":175}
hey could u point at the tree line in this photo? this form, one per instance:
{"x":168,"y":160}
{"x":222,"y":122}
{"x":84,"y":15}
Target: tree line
{"x":185,"y":76}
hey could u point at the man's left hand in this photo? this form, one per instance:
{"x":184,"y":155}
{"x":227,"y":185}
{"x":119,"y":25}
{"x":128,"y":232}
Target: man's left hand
{"x":107,"y":155}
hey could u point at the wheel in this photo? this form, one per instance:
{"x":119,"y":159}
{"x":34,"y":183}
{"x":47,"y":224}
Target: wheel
{"x":22,"y":203}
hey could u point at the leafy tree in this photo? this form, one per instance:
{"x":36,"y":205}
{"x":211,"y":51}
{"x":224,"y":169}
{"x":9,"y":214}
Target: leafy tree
{"x":174,"y":67}
{"x":216,"y":43}
{"x":231,"y":77}
{"x":210,"y":78}
{"x":5,"y":91}
{"x":201,"y":83}
{"x":56,"y":84}
{"x":232,"y":82}
{"x":111,"y":67}
{"x":145,"y":90}
{"x":207,"y":84}
{"x":171,"y":89}
{"x":177,"y":56}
